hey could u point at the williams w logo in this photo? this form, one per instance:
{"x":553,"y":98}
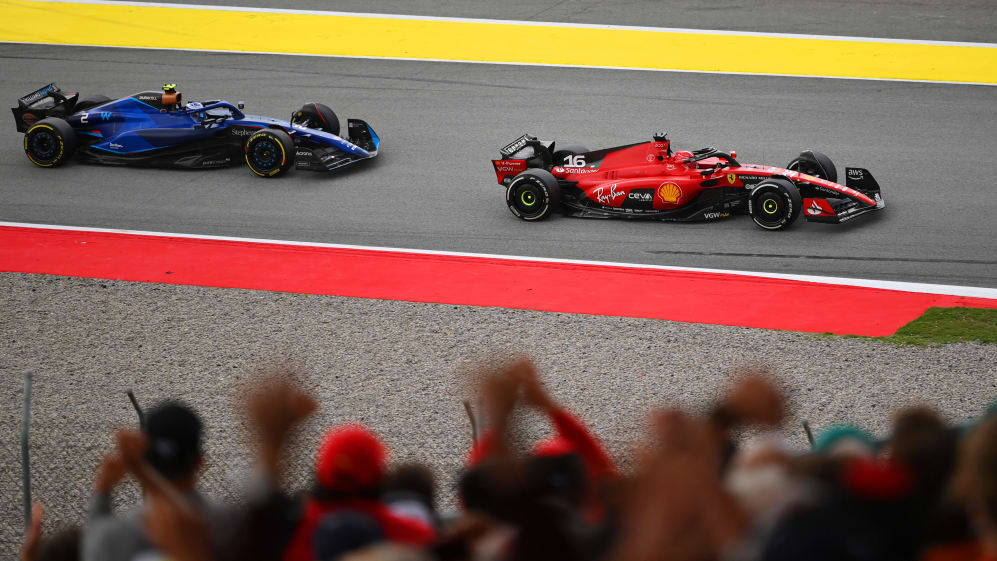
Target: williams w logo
{"x":105,"y":116}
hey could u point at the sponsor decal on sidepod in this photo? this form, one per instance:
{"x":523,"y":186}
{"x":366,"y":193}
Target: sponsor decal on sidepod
{"x":669,"y":192}
{"x":610,"y":197}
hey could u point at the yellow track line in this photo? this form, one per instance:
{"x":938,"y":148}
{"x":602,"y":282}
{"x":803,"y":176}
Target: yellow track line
{"x":371,"y":36}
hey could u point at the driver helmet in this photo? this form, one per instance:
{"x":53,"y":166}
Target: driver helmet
{"x":171,"y":97}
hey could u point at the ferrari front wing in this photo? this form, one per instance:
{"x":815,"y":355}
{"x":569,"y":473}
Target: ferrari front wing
{"x":860,"y":195}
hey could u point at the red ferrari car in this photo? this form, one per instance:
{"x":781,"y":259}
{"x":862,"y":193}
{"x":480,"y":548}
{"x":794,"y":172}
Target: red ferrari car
{"x":648,"y":180}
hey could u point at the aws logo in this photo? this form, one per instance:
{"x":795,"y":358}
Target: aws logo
{"x":669,"y":192}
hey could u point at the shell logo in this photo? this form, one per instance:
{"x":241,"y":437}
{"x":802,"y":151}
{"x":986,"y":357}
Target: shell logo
{"x":669,"y":192}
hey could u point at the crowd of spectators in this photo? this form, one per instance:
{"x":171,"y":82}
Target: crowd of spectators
{"x":700,"y":490}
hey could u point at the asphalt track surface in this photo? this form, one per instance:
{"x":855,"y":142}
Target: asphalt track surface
{"x":433,"y":187}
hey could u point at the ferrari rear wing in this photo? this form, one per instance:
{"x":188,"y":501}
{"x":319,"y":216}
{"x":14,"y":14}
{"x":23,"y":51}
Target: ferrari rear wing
{"x":505,"y":170}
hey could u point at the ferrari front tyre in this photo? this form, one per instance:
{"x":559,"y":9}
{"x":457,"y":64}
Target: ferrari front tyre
{"x":533,"y":195}
{"x":50,"y":142}
{"x":775,"y":204}
{"x":812,"y":162}
{"x":269,"y":153}
{"x":317,"y":116}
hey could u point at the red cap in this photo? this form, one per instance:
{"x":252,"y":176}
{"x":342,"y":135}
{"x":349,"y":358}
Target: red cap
{"x":350,"y":458}
{"x":877,"y":480}
{"x":553,"y":447}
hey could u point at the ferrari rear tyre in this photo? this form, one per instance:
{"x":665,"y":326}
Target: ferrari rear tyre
{"x":775,"y":204}
{"x":317,"y":116}
{"x":816,"y":164}
{"x":50,"y":142}
{"x":533,"y":195}
{"x":561,"y":155}
{"x":269,"y":153}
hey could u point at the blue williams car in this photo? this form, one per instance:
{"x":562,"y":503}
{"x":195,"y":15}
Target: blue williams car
{"x":158,"y":129}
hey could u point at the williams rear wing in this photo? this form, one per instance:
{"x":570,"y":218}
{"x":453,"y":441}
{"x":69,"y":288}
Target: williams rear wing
{"x":25,"y":116}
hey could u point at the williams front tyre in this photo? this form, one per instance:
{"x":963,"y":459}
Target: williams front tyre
{"x":775,"y":204}
{"x":317,"y":116}
{"x":270,"y":153}
{"x":49,"y":142}
{"x":533,"y":195}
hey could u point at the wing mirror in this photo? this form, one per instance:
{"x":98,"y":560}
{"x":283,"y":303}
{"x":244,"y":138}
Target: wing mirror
{"x":241,"y":104}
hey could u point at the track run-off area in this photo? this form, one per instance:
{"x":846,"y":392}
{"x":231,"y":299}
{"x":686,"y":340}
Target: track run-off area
{"x":783,"y":302}
{"x":918,"y":113}
{"x":109,"y":23}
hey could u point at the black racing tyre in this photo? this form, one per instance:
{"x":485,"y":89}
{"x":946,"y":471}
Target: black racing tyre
{"x":533,"y":195}
{"x":269,"y":153}
{"x":89,"y":102}
{"x":50,"y":142}
{"x":317,"y":116}
{"x":561,"y":154}
{"x":812,"y":163}
{"x":775,"y":204}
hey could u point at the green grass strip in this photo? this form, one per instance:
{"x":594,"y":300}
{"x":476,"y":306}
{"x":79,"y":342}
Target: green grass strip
{"x":939,"y":326}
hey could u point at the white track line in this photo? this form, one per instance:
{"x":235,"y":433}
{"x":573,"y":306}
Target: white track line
{"x":518,"y":22}
{"x":943,"y":289}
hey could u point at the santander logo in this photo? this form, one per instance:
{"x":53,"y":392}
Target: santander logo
{"x":819,"y":207}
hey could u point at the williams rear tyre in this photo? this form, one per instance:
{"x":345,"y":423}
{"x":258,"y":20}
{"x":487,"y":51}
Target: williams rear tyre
{"x":775,"y":204}
{"x":533,"y":195}
{"x":89,"y":102}
{"x":317,"y":116}
{"x":560,"y":155}
{"x":50,"y":142}
{"x":816,"y":164}
{"x":269,"y":153}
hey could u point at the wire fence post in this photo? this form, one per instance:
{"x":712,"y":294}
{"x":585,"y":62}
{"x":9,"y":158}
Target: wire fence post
{"x":25,"y":449}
